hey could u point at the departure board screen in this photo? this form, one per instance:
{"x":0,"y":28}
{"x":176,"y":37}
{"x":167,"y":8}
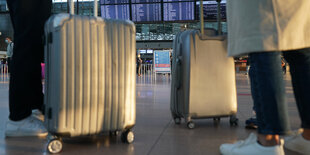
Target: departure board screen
{"x":149,"y":51}
{"x":115,"y":11}
{"x":145,"y":1}
{"x":142,"y":51}
{"x":210,"y":10}
{"x":114,"y":1}
{"x":177,"y":0}
{"x":179,"y":11}
{"x":146,"y":12}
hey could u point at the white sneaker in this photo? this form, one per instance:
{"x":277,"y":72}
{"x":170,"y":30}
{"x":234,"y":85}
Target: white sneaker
{"x":38,"y":114}
{"x":29,"y":126}
{"x":250,"y":147}
{"x":297,"y":143}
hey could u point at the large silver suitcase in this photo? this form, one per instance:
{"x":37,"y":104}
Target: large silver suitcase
{"x":90,"y":77}
{"x":203,"y":78}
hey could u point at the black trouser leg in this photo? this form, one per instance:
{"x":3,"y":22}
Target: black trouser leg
{"x":28,"y":18}
{"x":9,"y":60}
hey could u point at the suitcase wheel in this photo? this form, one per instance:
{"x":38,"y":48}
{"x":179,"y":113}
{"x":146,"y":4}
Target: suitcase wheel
{"x":191,"y":125}
{"x":216,"y":120}
{"x":114,"y":133}
{"x":54,"y":145}
{"x":177,"y":120}
{"x":233,"y":120}
{"x":127,"y":137}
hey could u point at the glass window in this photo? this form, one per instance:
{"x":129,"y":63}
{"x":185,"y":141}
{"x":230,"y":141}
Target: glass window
{"x":145,"y":32}
{"x":138,"y":32}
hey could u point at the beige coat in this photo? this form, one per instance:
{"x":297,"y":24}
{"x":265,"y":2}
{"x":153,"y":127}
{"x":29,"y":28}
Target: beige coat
{"x":267,"y":25}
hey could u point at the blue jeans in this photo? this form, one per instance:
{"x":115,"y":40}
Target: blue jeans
{"x":268,"y":89}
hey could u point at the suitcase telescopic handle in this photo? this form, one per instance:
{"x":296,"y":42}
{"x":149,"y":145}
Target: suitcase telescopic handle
{"x":218,"y":17}
{"x":95,"y":8}
{"x":201,"y":18}
{"x":71,"y":7}
{"x":71,"y":4}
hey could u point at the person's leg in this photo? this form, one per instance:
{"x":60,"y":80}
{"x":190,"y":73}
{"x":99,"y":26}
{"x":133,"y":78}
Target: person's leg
{"x":139,"y":70}
{"x":25,"y":92}
{"x":269,"y":94}
{"x":45,"y":13}
{"x":251,"y":123}
{"x":9,"y":64}
{"x":299,"y":61}
{"x":269,"y":100}
{"x":28,"y":17}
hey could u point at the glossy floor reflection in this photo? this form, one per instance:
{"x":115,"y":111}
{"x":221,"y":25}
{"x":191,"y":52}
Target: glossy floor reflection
{"x":155,"y":131}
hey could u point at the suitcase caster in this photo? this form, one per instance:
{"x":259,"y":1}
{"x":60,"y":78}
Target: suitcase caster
{"x":216,"y":120}
{"x":191,"y":125}
{"x":54,"y":145}
{"x":127,"y":137}
{"x":233,"y":120}
{"x":114,"y":133}
{"x":177,"y":120}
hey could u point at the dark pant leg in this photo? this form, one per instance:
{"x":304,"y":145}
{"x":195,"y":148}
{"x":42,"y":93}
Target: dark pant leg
{"x":28,"y":18}
{"x":9,"y":64}
{"x":139,"y":69}
{"x":252,"y":83}
{"x":268,"y":93}
{"x":299,"y":61}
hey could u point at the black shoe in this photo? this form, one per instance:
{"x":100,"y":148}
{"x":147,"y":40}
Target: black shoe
{"x":251,"y":123}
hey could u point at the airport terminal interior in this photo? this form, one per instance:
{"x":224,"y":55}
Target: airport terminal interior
{"x":156,"y":133}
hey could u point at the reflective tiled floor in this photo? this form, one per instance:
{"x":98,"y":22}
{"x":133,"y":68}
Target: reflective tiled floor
{"x":155,"y":131}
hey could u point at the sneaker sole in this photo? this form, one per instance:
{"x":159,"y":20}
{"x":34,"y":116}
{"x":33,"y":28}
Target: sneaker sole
{"x":41,"y":118}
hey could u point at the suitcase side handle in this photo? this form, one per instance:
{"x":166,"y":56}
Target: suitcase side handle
{"x":178,"y":70}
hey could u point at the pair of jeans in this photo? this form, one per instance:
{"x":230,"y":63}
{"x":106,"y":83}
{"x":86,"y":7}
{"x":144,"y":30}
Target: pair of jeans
{"x":25,"y":91}
{"x":268,"y":89}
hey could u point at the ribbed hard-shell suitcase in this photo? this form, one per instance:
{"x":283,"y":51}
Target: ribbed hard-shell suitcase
{"x":90,"y":77}
{"x":203,"y":78}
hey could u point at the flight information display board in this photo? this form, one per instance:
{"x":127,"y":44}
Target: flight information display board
{"x":115,"y":11}
{"x":210,"y":10}
{"x":179,"y":11}
{"x":146,"y":12}
{"x":149,"y":51}
{"x":177,"y":0}
{"x":161,"y":61}
{"x":145,"y":1}
{"x":142,"y":51}
{"x":114,"y":1}
{"x":160,"y":10}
